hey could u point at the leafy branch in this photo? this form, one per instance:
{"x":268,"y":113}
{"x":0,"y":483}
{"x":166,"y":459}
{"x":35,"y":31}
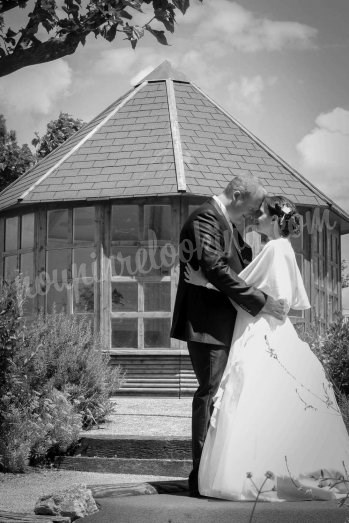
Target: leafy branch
{"x":69,"y":26}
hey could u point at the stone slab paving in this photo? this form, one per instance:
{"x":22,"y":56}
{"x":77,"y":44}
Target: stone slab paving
{"x":169,"y":508}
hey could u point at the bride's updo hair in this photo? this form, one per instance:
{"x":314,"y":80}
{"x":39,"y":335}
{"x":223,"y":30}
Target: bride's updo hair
{"x":288,"y":219}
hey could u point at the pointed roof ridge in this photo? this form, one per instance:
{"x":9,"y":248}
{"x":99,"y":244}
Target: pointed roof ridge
{"x":273,"y":154}
{"x":165,"y":71}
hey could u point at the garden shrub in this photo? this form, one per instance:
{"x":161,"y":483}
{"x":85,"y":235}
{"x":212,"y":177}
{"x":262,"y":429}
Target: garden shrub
{"x":54,"y":380}
{"x":332,"y":349}
{"x":71,"y":359}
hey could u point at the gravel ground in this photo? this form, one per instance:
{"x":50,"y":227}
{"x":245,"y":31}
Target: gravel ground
{"x":133,"y":416}
{"x":148,"y":417}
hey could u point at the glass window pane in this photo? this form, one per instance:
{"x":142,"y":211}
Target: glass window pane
{"x":125,"y":223}
{"x":84,"y":224}
{"x":10,"y":267}
{"x":58,"y":264}
{"x":157,"y":296}
{"x":27,"y":232}
{"x":83,"y":296}
{"x":155,"y":262}
{"x":57,"y":228}
{"x":123,"y":261}
{"x":157,"y":332}
{"x":124,"y":333}
{"x":56,"y":299}
{"x":124,"y":296}
{"x":157,"y":221}
{"x":29,"y":303}
{"x":84,"y":262}
{"x":11,"y":230}
{"x":27,"y":265}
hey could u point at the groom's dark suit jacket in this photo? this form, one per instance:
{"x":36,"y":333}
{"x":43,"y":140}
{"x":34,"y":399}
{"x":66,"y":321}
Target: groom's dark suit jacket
{"x":205,"y":315}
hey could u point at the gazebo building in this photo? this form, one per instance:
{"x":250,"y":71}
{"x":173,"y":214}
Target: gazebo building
{"x":95,"y":225}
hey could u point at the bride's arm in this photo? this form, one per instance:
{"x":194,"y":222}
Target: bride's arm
{"x":197,"y":278}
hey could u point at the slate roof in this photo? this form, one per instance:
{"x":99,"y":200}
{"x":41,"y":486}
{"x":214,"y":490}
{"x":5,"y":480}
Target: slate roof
{"x":163,"y":137}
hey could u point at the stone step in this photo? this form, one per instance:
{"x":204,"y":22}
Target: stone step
{"x":138,"y":447}
{"x":149,"y":467}
{"x":156,"y":391}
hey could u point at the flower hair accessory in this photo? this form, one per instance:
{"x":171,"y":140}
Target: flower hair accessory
{"x":286,"y":209}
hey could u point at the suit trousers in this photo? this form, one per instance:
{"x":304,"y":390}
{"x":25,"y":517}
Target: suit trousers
{"x":208,"y":362}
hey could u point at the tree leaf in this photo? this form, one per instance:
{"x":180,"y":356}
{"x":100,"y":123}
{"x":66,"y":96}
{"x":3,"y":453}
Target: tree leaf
{"x":125,"y":14}
{"x":167,"y":17}
{"x":159,"y":35}
{"x":182,"y":5}
{"x":136,"y":4}
{"x":111,"y":33}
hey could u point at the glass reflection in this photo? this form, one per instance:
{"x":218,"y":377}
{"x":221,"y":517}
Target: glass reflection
{"x":157,"y":296}
{"x":11,"y":230}
{"x":124,"y":333}
{"x":124,"y":222}
{"x":27,"y":265}
{"x":124,"y":296}
{"x":58,"y":265}
{"x":157,"y":221}
{"x":10,"y":268}
{"x":157,"y":333}
{"x":83,"y":296}
{"x":84,"y":224}
{"x":84,"y":262}
{"x":57,"y":228}
{"x":56,"y":300}
{"x":27,"y":232}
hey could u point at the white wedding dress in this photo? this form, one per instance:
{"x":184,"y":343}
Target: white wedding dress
{"x":276,"y":425}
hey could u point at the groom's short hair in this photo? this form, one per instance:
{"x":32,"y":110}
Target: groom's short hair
{"x":246,"y":185}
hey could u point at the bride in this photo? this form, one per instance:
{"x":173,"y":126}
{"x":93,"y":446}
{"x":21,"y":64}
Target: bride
{"x":276,"y":432}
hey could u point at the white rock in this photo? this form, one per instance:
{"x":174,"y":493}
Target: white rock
{"x":75,"y":502}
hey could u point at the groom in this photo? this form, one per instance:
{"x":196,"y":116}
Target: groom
{"x":205,"y":318}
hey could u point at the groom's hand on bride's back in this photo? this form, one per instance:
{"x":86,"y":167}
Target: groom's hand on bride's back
{"x":276,"y":308}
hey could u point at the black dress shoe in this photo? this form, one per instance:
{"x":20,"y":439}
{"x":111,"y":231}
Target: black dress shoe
{"x":195,"y":494}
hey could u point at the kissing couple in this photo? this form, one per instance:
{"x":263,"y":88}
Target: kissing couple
{"x":265,"y":421}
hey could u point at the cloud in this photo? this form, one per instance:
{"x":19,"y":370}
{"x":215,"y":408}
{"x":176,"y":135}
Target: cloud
{"x":242,"y":30}
{"x":142,"y":74}
{"x":324,"y":154}
{"x":36,"y":89}
{"x":120,"y":61}
{"x":245,"y":95}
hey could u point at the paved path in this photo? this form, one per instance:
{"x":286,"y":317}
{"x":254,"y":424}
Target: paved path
{"x":166,"y":508}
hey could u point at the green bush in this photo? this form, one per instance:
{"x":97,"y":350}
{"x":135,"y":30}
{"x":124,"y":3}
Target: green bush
{"x":332,"y":349}
{"x":54,"y":380}
{"x":65,"y":353}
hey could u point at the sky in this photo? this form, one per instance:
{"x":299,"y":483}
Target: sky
{"x":280,"y":67}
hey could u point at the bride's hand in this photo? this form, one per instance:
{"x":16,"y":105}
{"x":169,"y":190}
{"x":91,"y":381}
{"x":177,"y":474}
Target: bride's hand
{"x":194,"y":277}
